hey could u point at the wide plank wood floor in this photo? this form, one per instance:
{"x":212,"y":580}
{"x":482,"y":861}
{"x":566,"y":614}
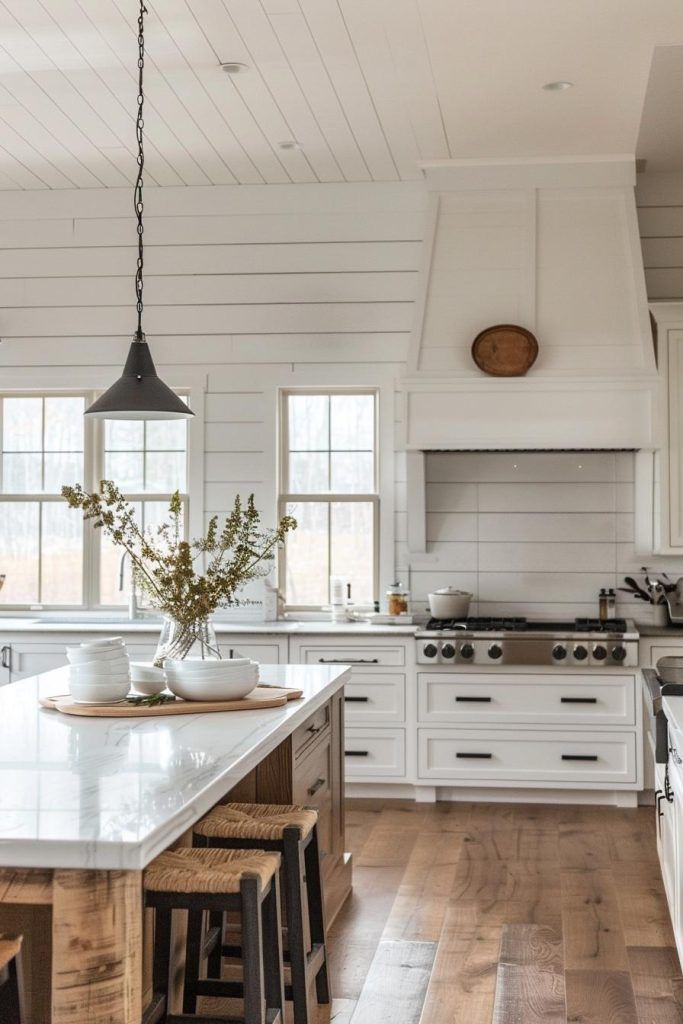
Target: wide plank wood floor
{"x":503,"y":914}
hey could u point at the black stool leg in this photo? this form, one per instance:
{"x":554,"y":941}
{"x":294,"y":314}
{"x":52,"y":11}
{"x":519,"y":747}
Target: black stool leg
{"x":316,"y":911}
{"x":293,"y":870}
{"x":214,"y":961}
{"x":252,"y":953}
{"x":193,"y":958}
{"x":162,"y":951}
{"x":272,"y":950}
{"x":11,"y":995}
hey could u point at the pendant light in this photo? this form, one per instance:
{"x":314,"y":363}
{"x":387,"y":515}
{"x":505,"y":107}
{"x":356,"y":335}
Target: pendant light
{"x":139,"y":393}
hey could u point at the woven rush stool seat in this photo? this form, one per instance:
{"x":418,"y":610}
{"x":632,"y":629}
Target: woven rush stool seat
{"x":293,"y":832}
{"x":265,"y":822}
{"x":11,"y":989}
{"x":217,"y":881}
{"x":210,"y":871}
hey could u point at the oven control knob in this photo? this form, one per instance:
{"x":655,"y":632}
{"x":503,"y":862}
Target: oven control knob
{"x":448,"y":651}
{"x":430,"y":650}
{"x":559,"y":652}
{"x":580,"y":653}
{"x":495,"y":651}
{"x":467,"y":651}
{"x":619,"y":653}
{"x":599,"y":652}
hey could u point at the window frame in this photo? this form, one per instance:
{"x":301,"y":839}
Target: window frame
{"x":93,"y":467}
{"x":327,"y":497}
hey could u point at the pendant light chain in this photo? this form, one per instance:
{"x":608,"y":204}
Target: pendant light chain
{"x":138,"y":203}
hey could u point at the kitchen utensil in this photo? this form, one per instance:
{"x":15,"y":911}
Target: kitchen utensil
{"x":147,"y":679}
{"x":81,"y":655}
{"x":106,"y":643}
{"x":670,"y":669}
{"x":505,"y":350}
{"x":449,"y":603}
{"x":636,"y":587}
{"x":213,"y":689}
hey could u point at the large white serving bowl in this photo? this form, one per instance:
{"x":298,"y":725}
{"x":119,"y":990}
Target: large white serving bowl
{"x":78,"y":655}
{"x":111,"y":641}
{"x":99,"y":693}
{"x":213,"y":689}
{"x":103,"y":668}
{"x":202,"y":667}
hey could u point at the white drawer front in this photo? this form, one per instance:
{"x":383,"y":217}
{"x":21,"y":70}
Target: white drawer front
{"x":527,"y":699}
{"x":265,"y":654}
{"x":376,"y":752}
{"x":364,"y":657}
{"x":375,"y":698}
{"x":547,"y":757}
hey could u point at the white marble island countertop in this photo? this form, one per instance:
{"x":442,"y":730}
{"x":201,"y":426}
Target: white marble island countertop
{"x":112,"y":793}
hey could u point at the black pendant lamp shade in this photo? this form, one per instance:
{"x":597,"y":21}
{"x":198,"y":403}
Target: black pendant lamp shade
{"x":139,"y":394}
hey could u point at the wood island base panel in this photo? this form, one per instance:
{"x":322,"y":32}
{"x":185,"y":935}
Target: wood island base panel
{"x":86,"y":937}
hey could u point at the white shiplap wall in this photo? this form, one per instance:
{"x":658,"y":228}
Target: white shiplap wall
{"x":660,"y":214}
{"x":251,"y":289}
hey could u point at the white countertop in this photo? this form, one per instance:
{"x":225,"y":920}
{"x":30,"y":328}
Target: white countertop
{"x":112,"y":792}
{"x":673,"y":709}
{"x":28,"y":624}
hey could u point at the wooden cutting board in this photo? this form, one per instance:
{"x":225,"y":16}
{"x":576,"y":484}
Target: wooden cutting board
{"x":505,"y":350}
{"x":262,"y":697}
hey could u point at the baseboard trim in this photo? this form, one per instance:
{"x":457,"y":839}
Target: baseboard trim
{"x":471,"y":794}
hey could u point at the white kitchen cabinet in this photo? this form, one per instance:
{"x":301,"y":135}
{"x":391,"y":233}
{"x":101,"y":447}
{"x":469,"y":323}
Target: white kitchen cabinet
{"x":30,"y":659}
{"x":5,"y":662}
{"x":652,"y":648}
{"x":267,"y":650}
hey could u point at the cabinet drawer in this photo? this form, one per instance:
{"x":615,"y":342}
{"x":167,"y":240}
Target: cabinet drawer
{"x":312,"y":729}
{"x":545,"y":758}
{"x":363,"y":657}
{"x":312,"y":787}
{"x":375,"y":698}
{"x":265,"y":654}
{"x":376,"y":752}
{"x":527,"y":699}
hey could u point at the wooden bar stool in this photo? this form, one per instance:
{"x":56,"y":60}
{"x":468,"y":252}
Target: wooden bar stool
{"x":11,"y":986}
{"x":292,"y":831}
{"x":218,"y":881}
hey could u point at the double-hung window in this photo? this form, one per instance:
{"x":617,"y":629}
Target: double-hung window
{"x":329,"y":483}
{"x":49,"y":558}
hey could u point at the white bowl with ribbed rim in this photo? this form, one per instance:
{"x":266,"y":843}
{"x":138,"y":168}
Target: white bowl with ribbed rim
{"x":88,"y":692}
{"x":231,"y":687}
{"x":81,"y":655}
{"x":206,"y":667}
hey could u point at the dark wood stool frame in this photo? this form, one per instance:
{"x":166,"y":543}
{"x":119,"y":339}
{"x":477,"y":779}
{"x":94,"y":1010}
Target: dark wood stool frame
{"x":12,"y":992}
{"x":263,"y":986}
{"x":300,"y":867}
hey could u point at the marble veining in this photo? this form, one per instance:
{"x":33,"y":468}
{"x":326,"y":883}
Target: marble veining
{"x":112,"y":793}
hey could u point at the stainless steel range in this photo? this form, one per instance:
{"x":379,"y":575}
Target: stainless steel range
{"x":517,"y":641}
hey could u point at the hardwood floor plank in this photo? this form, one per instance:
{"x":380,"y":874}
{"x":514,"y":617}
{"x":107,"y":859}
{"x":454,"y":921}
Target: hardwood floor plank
{"x":582,"y":847}
{"x":655,"y":974}
{"x":507,"y":892}
{"x":511,"y":844}
{"x":600,"y":997}
{"x":463,"y":981}
{"x":396,"y":984}
{"x":591,"y":923}
{"x":420,"y":905}
{"x":643,"y":907}
{"x":530,"y":977}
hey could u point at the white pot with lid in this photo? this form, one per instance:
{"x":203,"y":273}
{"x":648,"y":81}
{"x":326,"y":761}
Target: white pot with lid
{"x":449,"y":603}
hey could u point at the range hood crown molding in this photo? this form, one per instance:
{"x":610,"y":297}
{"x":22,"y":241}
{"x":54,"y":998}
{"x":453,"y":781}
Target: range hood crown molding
{"x":553,"y":245}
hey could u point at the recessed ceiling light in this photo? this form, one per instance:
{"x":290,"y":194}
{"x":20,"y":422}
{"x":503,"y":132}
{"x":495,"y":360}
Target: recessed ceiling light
{"x":558,"y":86}
{"x":234,"y":67}
{"x":289,"y":144}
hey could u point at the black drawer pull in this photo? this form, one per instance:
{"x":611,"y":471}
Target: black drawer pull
{"x":356,"y":753}
{"x":318,"y":784}
{"x":578,"y":700}
{"x":473,"y":700}
{"x":348,"y":661}
{"x":482,"y":757}
{"x":579,"y":757}
{"x":357,"y":700}
{"x":315,"y":729}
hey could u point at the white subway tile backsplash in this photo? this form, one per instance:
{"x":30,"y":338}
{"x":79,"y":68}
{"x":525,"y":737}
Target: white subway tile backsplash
{"x":522,"y":467}
{"x":556,"y":587}
{"x":451,"y":526}
{"x":541,"y":526}
{"x":556,"y":497}
{"x":451,"y":497}
{"x":423,"y":582}
{"x":546,"y":557}
{"x":460,"y":557}
{"x":625,"y":497}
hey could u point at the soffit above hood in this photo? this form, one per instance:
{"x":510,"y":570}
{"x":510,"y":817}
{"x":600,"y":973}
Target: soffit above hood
{"x":551,"y":245}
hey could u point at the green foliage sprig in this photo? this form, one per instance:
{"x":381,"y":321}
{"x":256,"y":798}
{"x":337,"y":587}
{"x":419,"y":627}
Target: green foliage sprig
{"x":163,"y":562}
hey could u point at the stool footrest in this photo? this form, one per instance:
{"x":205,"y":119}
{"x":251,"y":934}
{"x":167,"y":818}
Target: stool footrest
{"x":272,"y":1017}
{"x":155,"y":1011}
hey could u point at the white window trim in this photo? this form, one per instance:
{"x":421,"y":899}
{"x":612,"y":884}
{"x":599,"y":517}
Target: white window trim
{"x":79,"y":380}
{"x":382,"y":498}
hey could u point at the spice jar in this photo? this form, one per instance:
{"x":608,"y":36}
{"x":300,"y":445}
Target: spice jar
{"x":397,"y":599}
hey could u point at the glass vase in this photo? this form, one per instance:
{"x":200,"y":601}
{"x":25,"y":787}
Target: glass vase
{"x":179,"y":640}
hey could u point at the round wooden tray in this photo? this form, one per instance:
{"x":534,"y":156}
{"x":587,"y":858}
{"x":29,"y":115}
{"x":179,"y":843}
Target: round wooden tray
{"x":505,"y":350}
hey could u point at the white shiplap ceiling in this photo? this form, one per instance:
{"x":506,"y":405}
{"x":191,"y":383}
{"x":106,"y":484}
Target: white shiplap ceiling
{"x":367,"y":88}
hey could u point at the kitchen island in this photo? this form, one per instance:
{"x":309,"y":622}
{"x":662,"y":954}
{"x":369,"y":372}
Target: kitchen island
{"x":88,"y":803}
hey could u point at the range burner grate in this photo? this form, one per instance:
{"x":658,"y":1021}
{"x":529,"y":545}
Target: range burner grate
{"x":486,"y":624}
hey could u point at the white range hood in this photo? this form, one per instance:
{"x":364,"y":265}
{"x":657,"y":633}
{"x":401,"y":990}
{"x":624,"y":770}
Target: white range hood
{"x":551,"y":245}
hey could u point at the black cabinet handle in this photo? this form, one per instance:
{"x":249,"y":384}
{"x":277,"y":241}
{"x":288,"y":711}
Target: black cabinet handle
{"x":473,"y":700}
{"x":348,"y":661}
{"x":318,"y":784}
{"x":578,"y":700}
{"x":6,"y":656}
{"x":579,"y":757}
{"x":482,"y":757}
{"x":357,"y":700}
{"x":356,"y":753}
{"x":313,"y":729}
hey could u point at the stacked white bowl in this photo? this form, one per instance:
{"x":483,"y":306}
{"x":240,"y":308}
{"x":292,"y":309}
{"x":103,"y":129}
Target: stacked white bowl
{"x":226,"y":679}
{"x":100,"y":671}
